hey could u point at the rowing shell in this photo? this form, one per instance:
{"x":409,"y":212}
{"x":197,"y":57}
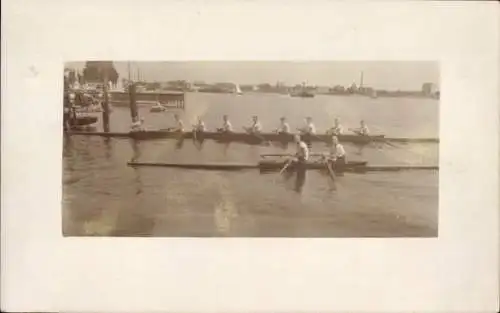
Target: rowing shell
{"x":265,"y":166}
{"x":245,"y":137}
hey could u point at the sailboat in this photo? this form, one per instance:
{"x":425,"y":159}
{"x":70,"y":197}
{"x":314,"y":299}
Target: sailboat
{"x":238,"y":89}
{"x":302,"y":92}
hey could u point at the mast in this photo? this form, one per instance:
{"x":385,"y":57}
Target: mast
{"x":361,"y":80}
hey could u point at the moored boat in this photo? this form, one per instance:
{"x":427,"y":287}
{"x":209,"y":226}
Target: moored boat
{"x":302,"y":94}
{"x":84,"y":120}
{"x":157,"y":108}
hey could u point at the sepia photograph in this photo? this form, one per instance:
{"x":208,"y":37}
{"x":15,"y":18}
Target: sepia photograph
{"x":251,"y":148}
{"x":246,"y":156}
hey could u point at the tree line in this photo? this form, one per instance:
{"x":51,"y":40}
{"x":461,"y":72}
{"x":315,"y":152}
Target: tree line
{"x":94,"y":71}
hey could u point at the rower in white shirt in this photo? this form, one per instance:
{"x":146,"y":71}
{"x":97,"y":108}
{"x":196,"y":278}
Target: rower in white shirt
{"x":200,"y":126}
{"x":309,"y":128}
{"x":308,"y":131}
{"x":337,"y":154}
{"x":179,"y":124}
{"x":302,"y":154}
{"x":226,"y":125}
{"x":256,"y":127}
{"x":336,"y":129}
{"x":284,"y":128}
{"x":362,"y":130}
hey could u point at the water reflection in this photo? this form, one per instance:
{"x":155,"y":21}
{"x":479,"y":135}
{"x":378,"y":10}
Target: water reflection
{"x":198,"y":142}
{"x":108,"y":148}
{"x":300,"y":179}
{"x":136,"y":151}
{"x":68,"y":146}
{"x":180,"y":143}
{"x":136,"y":154}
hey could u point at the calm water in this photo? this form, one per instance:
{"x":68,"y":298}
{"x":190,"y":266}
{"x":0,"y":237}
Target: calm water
{"x":104,"y":197}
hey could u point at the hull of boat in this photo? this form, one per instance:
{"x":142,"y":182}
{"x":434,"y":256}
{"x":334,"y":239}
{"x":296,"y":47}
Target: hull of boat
{"x":156,"y":109}
{"x":264,"y":166}
{"x":84,"y":120}
{"x":274,"y":166}
{"x":244,"y":137}
{"x":352,"y":166}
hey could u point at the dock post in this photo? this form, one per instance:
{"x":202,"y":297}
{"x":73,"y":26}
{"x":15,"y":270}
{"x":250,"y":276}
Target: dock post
{"x":106,"y":111}
{"x":133,"y":104}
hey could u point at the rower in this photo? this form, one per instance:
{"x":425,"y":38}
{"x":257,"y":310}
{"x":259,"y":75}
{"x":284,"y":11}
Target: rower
{"x":308,"y":131}
{"x":363,"y":129}
{"x":337,"y":154}
{"x":180,"y":125}
{"x":284,"y":128}
{"x":302,"y":154}
{"x":336,"y":129}
{"x":256,"y":126}
{"x":226,"y":125}
{"x":200,"y":126}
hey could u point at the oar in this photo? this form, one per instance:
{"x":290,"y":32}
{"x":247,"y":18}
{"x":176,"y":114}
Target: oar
{"x":288,"y":154}
{"x":387,"y":142}
{"x":287,"y":164}
{"x":276,"y":155}
{"x":357,"y":132}
{"x":318,"y":138}
{"x":257,"y":135}
{"x":332,"y":173}
{"x":360,"y":134}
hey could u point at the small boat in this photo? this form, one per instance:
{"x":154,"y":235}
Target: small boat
{"x":238,"y":90}
{"x":158,"y":108}
{"x":89,"y":109}
{"x":84,"y":120}
{"x":302,"y":94}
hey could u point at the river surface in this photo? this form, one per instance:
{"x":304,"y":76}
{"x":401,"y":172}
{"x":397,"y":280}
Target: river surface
{"x":102,"y":196}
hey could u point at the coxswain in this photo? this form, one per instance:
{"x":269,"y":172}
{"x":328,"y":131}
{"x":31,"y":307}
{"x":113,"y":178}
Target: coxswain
{"x":284,"y":128}
{"x":337,"y":154}
{"x":179,"y":124}
{"x":302,"y":154}
{"x":256,"y":127}
{"x":226,"y":125}
{"x":336,"y":129}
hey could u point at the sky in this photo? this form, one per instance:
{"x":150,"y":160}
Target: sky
{"x":390,"y":75}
